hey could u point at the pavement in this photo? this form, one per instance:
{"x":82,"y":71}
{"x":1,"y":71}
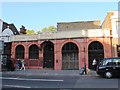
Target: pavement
{"x":39,"y":72}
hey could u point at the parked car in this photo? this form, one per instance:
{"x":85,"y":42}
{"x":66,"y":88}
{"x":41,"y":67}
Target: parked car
{"x":109,"y":67}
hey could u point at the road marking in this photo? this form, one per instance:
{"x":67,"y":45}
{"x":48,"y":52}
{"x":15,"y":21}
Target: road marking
{"x":51,"y":80}
{"x":16,"y":86}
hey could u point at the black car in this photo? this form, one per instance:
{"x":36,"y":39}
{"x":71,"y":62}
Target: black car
{"x":109,"y":67}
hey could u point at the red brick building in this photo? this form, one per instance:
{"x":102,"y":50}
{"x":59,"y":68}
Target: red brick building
{"x":71,"y":47}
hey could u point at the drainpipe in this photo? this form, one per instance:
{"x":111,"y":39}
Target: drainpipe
{"x":85,"y":61}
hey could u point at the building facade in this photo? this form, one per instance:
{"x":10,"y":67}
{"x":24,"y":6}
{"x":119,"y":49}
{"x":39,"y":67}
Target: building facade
{"x":72,"y":46}
{"x":112,"y":22}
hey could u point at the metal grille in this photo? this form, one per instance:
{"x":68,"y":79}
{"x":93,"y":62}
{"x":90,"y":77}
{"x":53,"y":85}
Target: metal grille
{"x":96,"y":51}
{"x":33,"y":52}
{"x":19,"y":52}
{"x":70,"y":57}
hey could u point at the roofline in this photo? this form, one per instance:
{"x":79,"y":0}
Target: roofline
{"x":79,"y":21}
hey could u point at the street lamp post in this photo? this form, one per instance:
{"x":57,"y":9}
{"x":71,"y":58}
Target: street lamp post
{"x":85,"y":61}
{"x":85,"y":33}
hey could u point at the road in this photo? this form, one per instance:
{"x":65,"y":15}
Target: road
{"x":59,"y":82}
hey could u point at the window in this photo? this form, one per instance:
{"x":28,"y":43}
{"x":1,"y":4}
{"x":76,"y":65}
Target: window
{"x":116,"y":62}
{"x":19,"y":52}
{"x":33,"y":52}
{"x":107,"y":62}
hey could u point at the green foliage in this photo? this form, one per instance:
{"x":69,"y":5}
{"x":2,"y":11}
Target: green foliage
{"x":44,"y":29}
{"x":50,"y":29}
{"x":30,"y":32}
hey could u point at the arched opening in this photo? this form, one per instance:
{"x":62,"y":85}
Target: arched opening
{"x":48,"y":54}
{"x":95,"y":51}
{"x":19,"y":52}
{"x":33,"y":52}
{"x":70,"y":56}
{"x":118,"y":50}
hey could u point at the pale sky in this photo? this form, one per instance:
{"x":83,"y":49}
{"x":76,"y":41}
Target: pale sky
{"x":37,"y":15}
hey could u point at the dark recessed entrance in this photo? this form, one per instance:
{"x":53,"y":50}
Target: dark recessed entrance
{"x":95,"y":51}
{"x":48,"y":55}
{"x":70,"y":57}
{"x":118,"y":50}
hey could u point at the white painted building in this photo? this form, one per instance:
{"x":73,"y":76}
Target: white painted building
{"x":112,"y":22}
{"x":6,"y":32}
{"x":5,"y":35}
{"x":115,"y":23}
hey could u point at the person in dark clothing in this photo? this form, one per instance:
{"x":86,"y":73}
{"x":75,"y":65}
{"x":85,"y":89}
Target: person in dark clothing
{"x":9,"y":65}
{"x":19,"y":64}
{"x":12,"y":66}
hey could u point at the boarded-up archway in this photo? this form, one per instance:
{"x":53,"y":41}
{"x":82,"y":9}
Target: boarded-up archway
{"x":70,"y":56}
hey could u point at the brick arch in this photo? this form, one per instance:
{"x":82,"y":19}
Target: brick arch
{"x":44,"y":42}
{"x":74,"y":62}
{"x":95,"y":53}
{"x":90,"y":41}
{"x":33,"y":44}
{"x":33,"y":53}
{"x":19,"y":44}
{"x":47,"y":48}
{"x":16,"y":56}
{"x":47,"y":41}
{"x":68,"y":41}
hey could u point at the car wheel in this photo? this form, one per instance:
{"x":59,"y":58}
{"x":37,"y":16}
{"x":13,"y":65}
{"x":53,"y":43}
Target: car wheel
{"x":108,"y":74}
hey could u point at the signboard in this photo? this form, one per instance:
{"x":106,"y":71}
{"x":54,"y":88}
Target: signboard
{"x":1,"y":47}
{"x":1,"y":51}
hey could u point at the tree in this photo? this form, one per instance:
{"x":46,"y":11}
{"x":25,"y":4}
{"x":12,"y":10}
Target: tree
{"x":50,"y":29}
{"x":44,"y":29}
{"x":30,"y":32}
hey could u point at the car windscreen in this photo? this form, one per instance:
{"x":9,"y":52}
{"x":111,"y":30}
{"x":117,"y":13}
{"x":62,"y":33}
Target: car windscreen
{"x":106,"y":62}
{"x":109,"y":62}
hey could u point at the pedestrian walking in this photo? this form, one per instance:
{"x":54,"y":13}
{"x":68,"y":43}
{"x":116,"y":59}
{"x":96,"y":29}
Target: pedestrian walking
{"x":17,"y":63}
{"x":94,"y":64}
{"x":23,"y":64}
